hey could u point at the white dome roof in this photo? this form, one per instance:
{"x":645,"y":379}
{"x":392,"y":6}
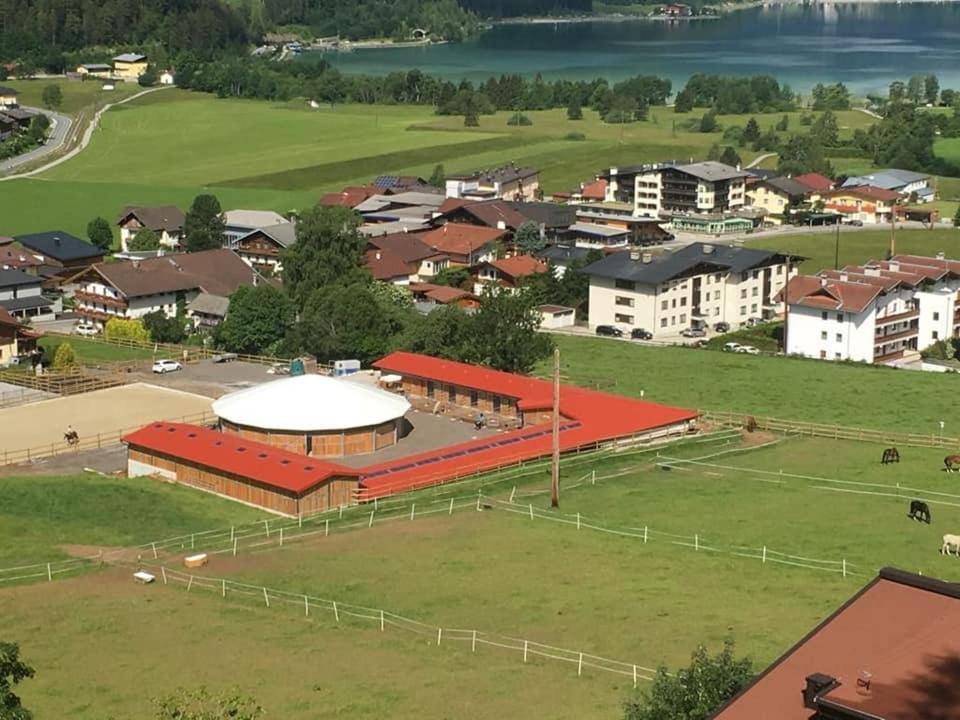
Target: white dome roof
{"x":310,"y":403}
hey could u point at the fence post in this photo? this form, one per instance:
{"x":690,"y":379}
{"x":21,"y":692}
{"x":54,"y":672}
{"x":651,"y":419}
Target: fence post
{"x":413,"y":509}
{"x":306,"y":606}
{"x":644,"y":534}
{"x":326,"y":527}
{"x":375,"y":507}
{"x":578,"y":521}
{"x":371,"y":518}
{"x":439,"y":635}
{"x":341,"y":512}
{"x":336,"y":613}
{"x":764,"y":553}
{"x":266,"y":598}
{"x":300,"y":521}
{"x":531,"y":511}
{"x":191,"y":541}
{"x":381,"y":621}
{"x":231,"y":533}
{"x":696,"y":543}
{"x":525,"y":643}
{"x":593,"y":477}
{"x":580,"y":665}
{"x":473,"y":642}
{"x":634,"y":675}
{"x":234,"y":547}
{"x":223,"y":588}
{"x":513,"y":492}
{"x":266,"y":527}
{"x":163,"y":572}
{"x":281,"y":536}
{"x":190,"y":583}
{"x":844,"y":567}
{"x":98,"y":441}
{"x":154,"y":545}
{"x":49,"y":573}
{"x":451,"y":507}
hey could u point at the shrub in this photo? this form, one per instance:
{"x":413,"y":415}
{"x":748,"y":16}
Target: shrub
{"x":575,"y":136}
{"x":519,"y":119}
{"x":65,"y":357}
{"x":120,"y":329}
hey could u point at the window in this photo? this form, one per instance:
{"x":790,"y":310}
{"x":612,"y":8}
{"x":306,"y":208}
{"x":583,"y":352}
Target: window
{"x":673,"y":303}
{"x":673,"y":319}
{"x":683,"y":318}
{"x":936,"y":335}
{"x":743,"y":293}
{"x":756,"y":291}
{"x":663,"y":322}
{"x":743,"y":309}
{"x":837,"y":356}
{"x":620,"y":300}
{"x":839,"y":317}
{"x":430,"y":388}
{"x":936,"y":316}
{"x":716,"y":278}
{"x":625,"y":319}
{"x":716,"y":294}
{"x":779,"y":269}
{"x":823,"y":354}
{"x":683,"y":301}
{"x":496,"y":403}
{"x":753,"y":308}
{"x":839,"y":337}
{"x":451,"y":394}
{"x":756,"y":274}
{"x":823,"y":335}
{"x":823,"y":315}
{"x":716,"y":312}
{"x":625,"y":284}
{"x":664,"y":304}
{"x":474,"y":398}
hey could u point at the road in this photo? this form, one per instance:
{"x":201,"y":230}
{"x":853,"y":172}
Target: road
{"x":84,"y":141}
{"x":60,"y":124}
{"x":759,"y":159}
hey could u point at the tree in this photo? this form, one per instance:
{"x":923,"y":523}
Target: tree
{"x":100,"y":233}
{"x":898,"y":91}
{"x":458,"y":277}
{"x":503,"y":333}
{"x":144,"y":241}
{"x":202,"y":705}
{"x":831,"y":97}
{"x":714,"y":152}
{"x":783,"y":124}
{"x":438,"y":178}
{"x":915,"y":89}
{"x":52,"y":97}
{"x":802,"y":154}
{"x":574,"y":111}
{"x":527,"y":239}
{"x":164,"y":329}
{"x":683,"y":103}
{"x":708,"y":123}
{"x":443,"y":333}
{"x":751,"y":131}
{"x":931,"y":89}
{"x":826,"y":129}
{"x":329,"y":250}
{"x":956,"y":218}
{"x":695,"y":692}
{"x":148,"y":78}
{"x":64,"y":357}
{"x":730,"y":157}
{"x":13,"y":671}
{"x":203,"y":225}
{"x":123,"y":329}
{"x":257,"y":320}
{"x":470,"y":119}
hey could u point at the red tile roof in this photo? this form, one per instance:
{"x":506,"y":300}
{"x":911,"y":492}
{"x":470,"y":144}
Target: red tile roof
{"x":442,"y":294}
{"x":866,"y":192}
{"x":386,"y":265}
{"x":452,"y":204}
{"x":815,"y":181}
{"x":349,"y":197}
{"x":460,"y":238}
{"x":901,"y":629}
{"x":260,"y":463}
{"x":596,"y":190}
{"x":7,"y":319}
{"x":519,"y":266}
{"x":829,"y":294}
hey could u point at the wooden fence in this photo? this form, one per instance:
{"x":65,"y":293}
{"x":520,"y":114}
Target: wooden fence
{"x":67,"y":383}
{"x":836,"y":432}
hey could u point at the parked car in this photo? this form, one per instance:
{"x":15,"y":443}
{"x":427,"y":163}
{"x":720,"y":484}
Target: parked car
{"x":641,"y":334}
{"x":732,"y":346}
{"x":609,"y":331}
{"x":85,"y":329}
{"x":854,"y":222}
{"x":693,"y":332}
{"x":722,"y":327}
{"x":753,"y":321}
{"x":165,"y":366}
{"x":748,"y":349}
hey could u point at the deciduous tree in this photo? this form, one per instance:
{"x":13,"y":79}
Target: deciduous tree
{"x":257,"y":321}
{"x":52,"y":97}
{"x":124,"y":329}
{"x":100,"y":233}
{"x":528,"y":239}
{"x":345,"y":321}
{"x":203,"y":226}
{"x":63,"y":359}
{"x":164,"y":329}
{"x":202,"y":705}
{"x":503,"y":333}
{"x":574,"y":110}
{"x":13,"y":671}
{"x":145,"y":240}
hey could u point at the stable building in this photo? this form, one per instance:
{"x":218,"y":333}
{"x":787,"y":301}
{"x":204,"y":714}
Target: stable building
{"x":239,"y":469}
{"x":315,"y":415}
{"x":129,"y":66}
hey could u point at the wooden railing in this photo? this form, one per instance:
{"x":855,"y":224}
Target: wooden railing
{"x":66,"y":383}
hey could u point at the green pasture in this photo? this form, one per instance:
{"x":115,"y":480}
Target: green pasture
{"x":91,"y":351}
{"x":77,"y":95}
{"x":849,"y":394}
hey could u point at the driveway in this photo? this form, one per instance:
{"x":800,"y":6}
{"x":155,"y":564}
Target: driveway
{"x":60,"y":127}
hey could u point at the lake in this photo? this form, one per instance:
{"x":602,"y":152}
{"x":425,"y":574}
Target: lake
{"x":864,"y":45}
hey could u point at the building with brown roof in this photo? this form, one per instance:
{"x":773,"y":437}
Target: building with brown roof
{"x":350,"y":196}
{"x":892,"y":652}
{"x":464,"y":244}
{"x":865,"y":203}
{"x":509,"y":182}
{"x":497,"y":214}
{"x":505,"y":274}
{"x":418,"y":257}
{"x":134,"y":288}
{"x":166,"y":221}
{"x":815,"y":182}
{"x":428,"y":296}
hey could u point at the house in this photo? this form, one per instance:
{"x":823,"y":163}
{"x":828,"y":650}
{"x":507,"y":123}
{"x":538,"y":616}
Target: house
{"x":15,"y":339}
{"x":863,"y":203}
{"x":8,"y":126}
{"x":553,"y":317}
{"x":464,"y":244}
{"x":593,"y":191}
{"x":60,"y":253}
{"x":207,"y":310}
{"x":676,"y":10}
{"x":589,"y":235}
{"x":506,"y":273}
{"x":166,"y":221}
{"x":905,"y":182}
{"x":497,"y":214}
{"x":260,"y":248}
{"x":418,"y":257}
{"x":95,"y":70}
{"x":8,"y":97}
{"x":167,"y":77}
{"x":776,"y":196}
{"x":666,"y":188}
{"x":428,"y":297}
{"x":880,"y":312}
{"x":888,"y":653}
{"x":697,"y":286}
{"x":551,"y":218}
{"x":134,"y":288}
{"x":20,"y":118}
{"x":560,"y":257}
{"x":21,"y":295}
{"x":350,"y":196}
{"x":616,"y":215}
{"x":396,"y":184}
{"x":815,"y":182}
{"x":17,"y":257}
{"x":238,"y":223}
{"x":504,"y":183}
{"x":388,"y":267}
{"x":407,"y":207}
{"x":129,"y":66}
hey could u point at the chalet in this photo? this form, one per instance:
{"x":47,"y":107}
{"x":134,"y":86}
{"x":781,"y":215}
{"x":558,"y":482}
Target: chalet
{"x":19,"y":117}
{"x":207,"y":310}
{"x":238,"y":223}
{"x":776,"y":196}
{"x":497,"y":214}
{"x":428,"y":297}
{"x":588,"y":235}
{"x":129,"y":66}
{"x":134,"y":288}
{"x":551,"y":218}
{"x":905,"y":182}
{"x":95,"y":70}
{"x":504,"y":183}
{"x":464,"y":244}
{"x":17,"y":257}
{"x":396,"y":184}
{"x":387,"y":266}
{"x":60,"y":253}
{"x":260,"y":248}
{"x":8,"y":97}
{"x":593,"y":191}
{"x":619,"y":216}
{"x":863,"y":203}
{"x":21,"y":295}
{"x":421,"y":261}
{"x":166,"y":221}
{"x":408,"y":207}
{"x":815,"y":182}
{"x":8,"y":126}
{"x":505,"y":274}
{"x":15,"y":339}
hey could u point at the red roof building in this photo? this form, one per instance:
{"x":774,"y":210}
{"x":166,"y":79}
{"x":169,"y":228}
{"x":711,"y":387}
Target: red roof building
{"x":464,"y":244}
{"x":892,"y":652}
{"x":350,"y":196}
{"x":815,"y":181}
{"x":507,"y":273}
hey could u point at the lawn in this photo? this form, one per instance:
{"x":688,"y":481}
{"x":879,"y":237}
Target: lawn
{"x":76,"y":95}
{"x":790,"y":388}
{"x":40,"y":515}
{"x":91,"y":351}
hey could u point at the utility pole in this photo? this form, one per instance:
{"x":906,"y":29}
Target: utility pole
{"x":555,"y":465}
{"x":893,"y":230}
{"x":836,"y":248}
{"x":786,"y":307}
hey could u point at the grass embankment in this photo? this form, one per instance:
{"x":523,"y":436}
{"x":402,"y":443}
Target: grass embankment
{"x":76,"y":95}
{"x":91,"y":351}
{"x":39,"y":515}
{"x":790,"y":388}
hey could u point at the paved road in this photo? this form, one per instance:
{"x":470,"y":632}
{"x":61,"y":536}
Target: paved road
{"x":60,"y":127}
{"x":759,"y":159}
{"x":84,"y":141}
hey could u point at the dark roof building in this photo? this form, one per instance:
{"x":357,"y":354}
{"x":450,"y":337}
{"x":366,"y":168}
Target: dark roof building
{"x":892,"y":652}
{"x":61,"y":249}
{"x":163,"y":218}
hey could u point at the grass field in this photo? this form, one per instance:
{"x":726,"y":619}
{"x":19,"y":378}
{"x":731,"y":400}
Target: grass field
{"x":76,"y":95}
{"x":498,"y":572}
{"x":91,"y":351}
{"x":791,"y":388}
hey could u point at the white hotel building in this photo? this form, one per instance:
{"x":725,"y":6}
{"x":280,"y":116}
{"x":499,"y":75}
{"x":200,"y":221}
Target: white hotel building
{"x":697,"y":286}
{"x":880,"y":312}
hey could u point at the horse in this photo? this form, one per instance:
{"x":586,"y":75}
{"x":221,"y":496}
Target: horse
{"x":919,"y":510}
{"x":949,"y":540}
{"x":951,"y":462}
{"x":71,"y":437}
{"x":890,"y":455}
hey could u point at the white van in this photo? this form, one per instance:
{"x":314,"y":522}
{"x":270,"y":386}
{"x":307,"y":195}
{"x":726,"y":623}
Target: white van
{"x":85,"y":329}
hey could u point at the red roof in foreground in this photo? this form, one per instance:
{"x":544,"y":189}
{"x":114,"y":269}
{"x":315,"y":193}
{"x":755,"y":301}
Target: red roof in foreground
{"x":263,"y":464}
{"x":815,"y":181}
{"x":902,"y":629}
{"x":7,"y":319}
{"x":596,"y":190}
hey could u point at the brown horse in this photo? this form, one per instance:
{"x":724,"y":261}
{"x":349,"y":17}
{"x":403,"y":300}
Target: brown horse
{"x":951,"y":463}
{"x":890,"y":455}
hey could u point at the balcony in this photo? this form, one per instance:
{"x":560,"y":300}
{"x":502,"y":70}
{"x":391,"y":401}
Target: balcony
{"x":896,"y":355}
{"x":95,"y":299}
{"x":899,"y":317}
{"x":893,"y":337}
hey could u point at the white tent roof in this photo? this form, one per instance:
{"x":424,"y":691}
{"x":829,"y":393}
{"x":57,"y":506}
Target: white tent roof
{"x":310,"y":403}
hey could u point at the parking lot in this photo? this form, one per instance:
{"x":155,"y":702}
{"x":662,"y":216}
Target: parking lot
{"x":207,"y":377}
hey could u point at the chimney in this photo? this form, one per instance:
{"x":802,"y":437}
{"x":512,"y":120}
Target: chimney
{"x":871,"y":271}
{"x":378,"y":254}
{"x":635,"y":255}
{"x":707,"y":249}
{"x":941,"y":256}
{"x":56,"y":241}
{"x":844,"y":277}
{"x":817,"y":684}
{"x":501,"y":225}
{"x":894,"y":266}
{"x":646,"y":258}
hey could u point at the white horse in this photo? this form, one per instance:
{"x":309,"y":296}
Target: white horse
{"x":949,"y":540}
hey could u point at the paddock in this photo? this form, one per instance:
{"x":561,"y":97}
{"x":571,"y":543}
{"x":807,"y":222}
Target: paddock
{"x":38,"y":427}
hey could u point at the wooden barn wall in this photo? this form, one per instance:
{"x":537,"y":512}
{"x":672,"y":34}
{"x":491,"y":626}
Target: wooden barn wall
{"x":416,"y":388}
{"x":333,"y":493}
